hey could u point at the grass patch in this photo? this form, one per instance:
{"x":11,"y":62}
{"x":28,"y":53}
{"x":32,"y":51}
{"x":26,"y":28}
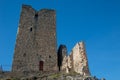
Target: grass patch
{"x":53,"y":76}
{"x":72,"y":74}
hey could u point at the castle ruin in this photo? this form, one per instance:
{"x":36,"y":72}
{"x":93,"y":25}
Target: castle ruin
{"x":36,"y":46}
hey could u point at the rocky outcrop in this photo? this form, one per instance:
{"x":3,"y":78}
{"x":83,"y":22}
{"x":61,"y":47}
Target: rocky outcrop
{"x":51,"y":76}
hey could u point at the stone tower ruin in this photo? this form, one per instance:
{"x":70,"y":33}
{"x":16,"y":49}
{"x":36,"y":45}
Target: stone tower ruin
{"x":75,"y":62}
{"x":35,"y":48}
{"x":79,"y":61}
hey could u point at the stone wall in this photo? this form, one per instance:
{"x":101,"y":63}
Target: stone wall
{"x":79,"y":59}
{"x":36,"y":41}
{"x":62,"y":54}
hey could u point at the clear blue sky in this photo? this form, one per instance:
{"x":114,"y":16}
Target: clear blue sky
{"x":97,"y":22}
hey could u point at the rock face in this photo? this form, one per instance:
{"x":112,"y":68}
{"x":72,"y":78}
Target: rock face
{"x":36,"y":48}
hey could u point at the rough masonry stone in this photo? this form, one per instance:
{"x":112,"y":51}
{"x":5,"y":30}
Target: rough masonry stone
{"x":36,"y":48}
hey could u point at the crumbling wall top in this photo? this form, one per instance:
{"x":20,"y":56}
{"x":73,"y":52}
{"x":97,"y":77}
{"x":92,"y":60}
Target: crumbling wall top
{"x":44,"y":10}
